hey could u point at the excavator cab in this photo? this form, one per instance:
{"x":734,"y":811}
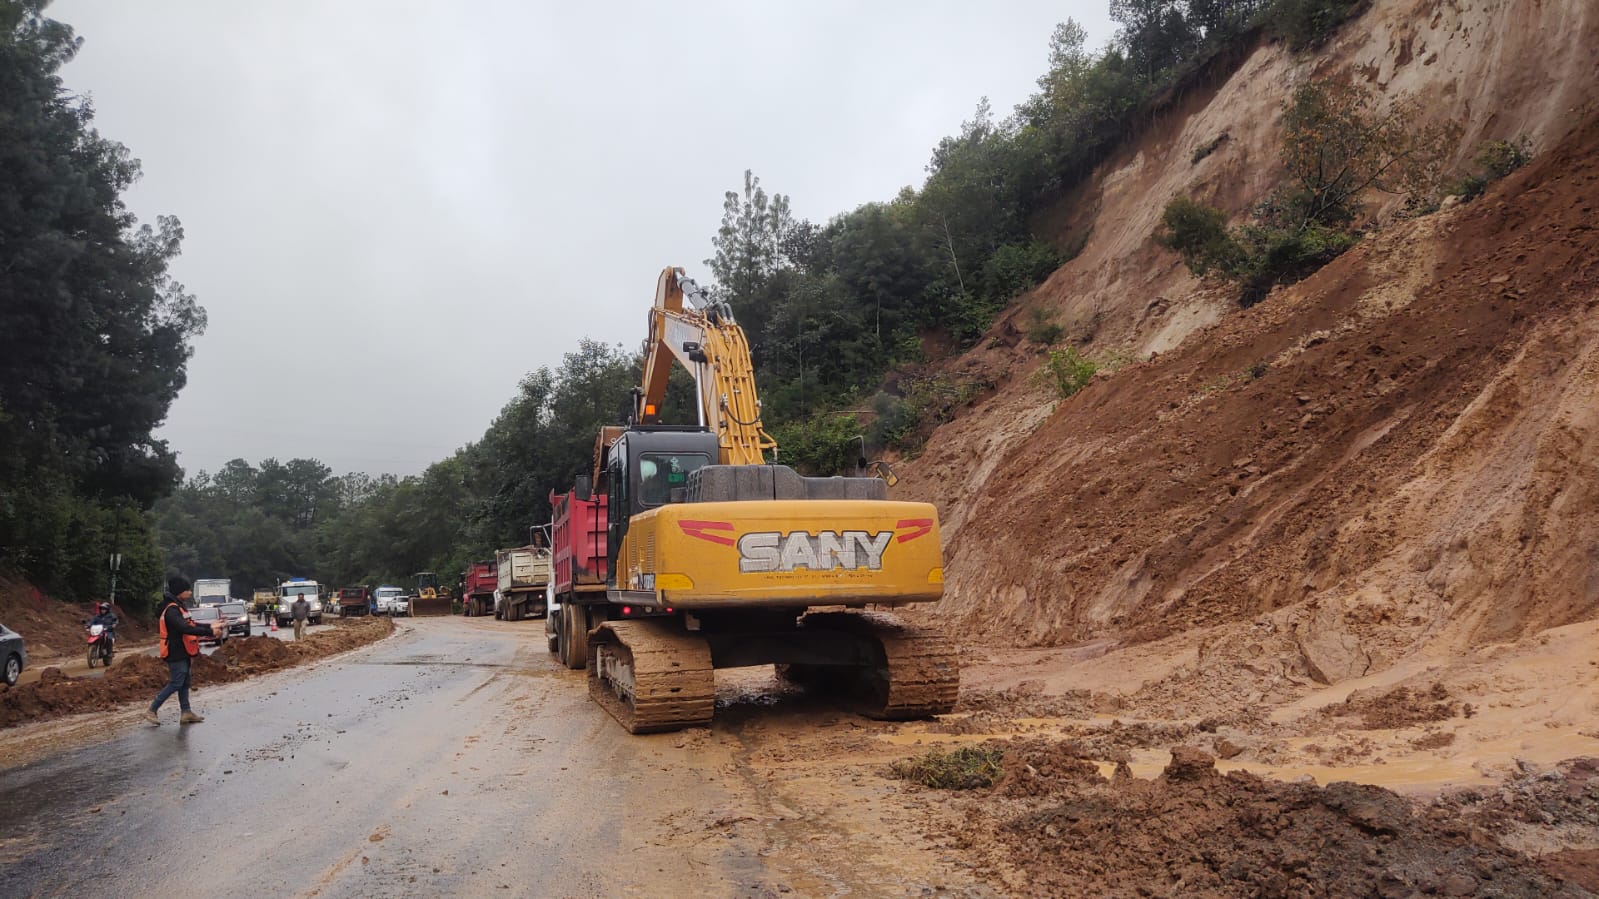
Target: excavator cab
{"x":646,"y":468}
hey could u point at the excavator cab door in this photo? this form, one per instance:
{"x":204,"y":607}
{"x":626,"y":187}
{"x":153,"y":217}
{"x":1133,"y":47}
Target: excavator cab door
{"x":616,"y":506}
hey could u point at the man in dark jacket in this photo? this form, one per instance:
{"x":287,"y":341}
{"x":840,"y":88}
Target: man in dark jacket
{"x":180,"y":643}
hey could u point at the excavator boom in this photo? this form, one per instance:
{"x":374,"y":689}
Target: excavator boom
{"x":704,"y":338}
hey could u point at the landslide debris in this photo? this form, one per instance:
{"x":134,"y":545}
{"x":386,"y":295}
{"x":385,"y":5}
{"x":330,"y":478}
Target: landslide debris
{"x":136,"y":678}
{"x":1400,"y":707}
{"x":1405,"y":438}
{"x":54,"y":629}
{"x":1193,"y":831}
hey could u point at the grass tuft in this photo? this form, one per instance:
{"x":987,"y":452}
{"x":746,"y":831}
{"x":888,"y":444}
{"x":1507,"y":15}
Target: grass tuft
{"x":967,"y":768}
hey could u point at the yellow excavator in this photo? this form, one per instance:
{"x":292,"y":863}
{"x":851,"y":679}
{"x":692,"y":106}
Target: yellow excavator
{"x":718,"y":558}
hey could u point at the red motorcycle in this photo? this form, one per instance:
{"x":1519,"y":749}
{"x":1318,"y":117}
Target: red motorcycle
{"x":102,"y":644}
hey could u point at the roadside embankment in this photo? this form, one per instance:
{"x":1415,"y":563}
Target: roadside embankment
{"x":135,"y":678}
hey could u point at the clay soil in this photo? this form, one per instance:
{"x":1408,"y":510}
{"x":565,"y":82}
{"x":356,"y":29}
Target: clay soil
{"x":1456,"y":777}
{"x":1193,"y":831}
{"x":135,"y":677}
{"x":54,"y":629}
{"x":1323,"y":627}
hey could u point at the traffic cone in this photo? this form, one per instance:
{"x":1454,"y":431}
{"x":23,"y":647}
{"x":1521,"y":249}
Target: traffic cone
{"x":274,"y":624}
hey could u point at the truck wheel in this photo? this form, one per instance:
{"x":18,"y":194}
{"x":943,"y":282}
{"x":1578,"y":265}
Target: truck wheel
{"x":574,"y":637}
{"x":513,"y":612}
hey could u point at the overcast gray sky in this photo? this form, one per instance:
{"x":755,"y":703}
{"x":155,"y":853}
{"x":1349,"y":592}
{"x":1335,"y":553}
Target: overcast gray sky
{"x":395,"y":210}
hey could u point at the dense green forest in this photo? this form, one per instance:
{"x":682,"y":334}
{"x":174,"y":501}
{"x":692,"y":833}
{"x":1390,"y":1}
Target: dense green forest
{"x":840,"y":317}
{"x":94,"y":334}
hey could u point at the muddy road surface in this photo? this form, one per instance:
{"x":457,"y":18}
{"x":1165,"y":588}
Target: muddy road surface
{"x":453,"y":759}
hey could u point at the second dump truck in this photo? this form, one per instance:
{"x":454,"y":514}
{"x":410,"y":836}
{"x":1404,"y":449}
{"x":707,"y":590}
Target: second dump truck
{"x":524,"y":573}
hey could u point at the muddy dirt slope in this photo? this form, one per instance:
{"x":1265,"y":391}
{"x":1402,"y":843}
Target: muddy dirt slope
{"x":1402,"y":450}
{"x":54,"y":629}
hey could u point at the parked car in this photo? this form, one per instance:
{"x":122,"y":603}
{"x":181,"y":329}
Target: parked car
{"x":204,"y":615}
{"x":14,"y":653}
{"x":237,"y":614}
{"x":401,"y":606}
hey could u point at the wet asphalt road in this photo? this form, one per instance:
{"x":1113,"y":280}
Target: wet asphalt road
{"x":455,"y":758}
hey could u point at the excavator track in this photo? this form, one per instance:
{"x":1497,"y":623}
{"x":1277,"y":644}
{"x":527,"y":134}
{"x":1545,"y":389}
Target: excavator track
{"x":920,"y":672}
{"x":651,"y":675}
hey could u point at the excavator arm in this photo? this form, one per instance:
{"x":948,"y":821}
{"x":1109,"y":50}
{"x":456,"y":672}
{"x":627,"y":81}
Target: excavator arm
{"x":703,"y":336}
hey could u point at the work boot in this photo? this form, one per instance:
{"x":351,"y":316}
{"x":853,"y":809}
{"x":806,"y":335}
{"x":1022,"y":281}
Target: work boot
{"x":190,"y":718}
{"x":152,"y":717}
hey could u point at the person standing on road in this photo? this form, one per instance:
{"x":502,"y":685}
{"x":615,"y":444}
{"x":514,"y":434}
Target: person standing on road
{"x":301,"y":610}
{"x":180,"y":643}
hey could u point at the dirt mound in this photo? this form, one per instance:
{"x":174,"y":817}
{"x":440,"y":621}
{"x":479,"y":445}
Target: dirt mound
{"x":52,"y":628}
{"x":1400,"y":707}
{"x":135,"y":678}
{"x":1044,"y":767}
{"x":254,"y":653}
{"x":142,"y":671}
{"x":1194,"y":831}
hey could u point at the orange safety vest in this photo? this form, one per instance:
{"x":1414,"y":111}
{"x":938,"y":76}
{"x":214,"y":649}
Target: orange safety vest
{"x":191,"y":643}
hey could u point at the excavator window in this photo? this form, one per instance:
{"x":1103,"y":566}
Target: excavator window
{"x":660,"y":473}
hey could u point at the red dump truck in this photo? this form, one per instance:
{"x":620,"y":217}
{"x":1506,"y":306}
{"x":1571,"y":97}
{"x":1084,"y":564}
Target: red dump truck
{"x":577,"y":585}
{"x":477,"y":588}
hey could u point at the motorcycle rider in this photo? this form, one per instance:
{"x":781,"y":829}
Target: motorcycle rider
{"x":103,"y":615}
{"x":107,"y":619}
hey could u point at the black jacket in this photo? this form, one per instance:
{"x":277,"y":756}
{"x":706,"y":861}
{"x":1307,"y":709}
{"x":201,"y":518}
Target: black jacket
{"x":177,"y":626}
